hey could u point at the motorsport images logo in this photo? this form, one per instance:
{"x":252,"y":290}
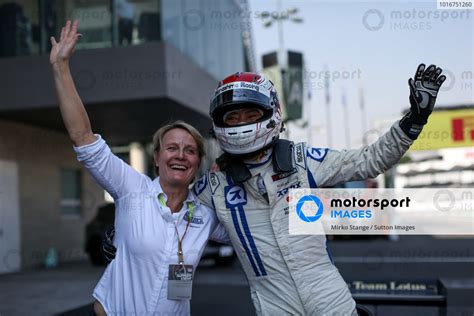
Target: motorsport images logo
{"x":424,"y":211}
{"x":312,"y":205}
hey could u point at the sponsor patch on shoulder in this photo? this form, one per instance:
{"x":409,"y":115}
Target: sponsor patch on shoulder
{"x":200,"y":185}
{"x":214,"y":182}
{"x":317,"y":154}
{"x":299,"y":155}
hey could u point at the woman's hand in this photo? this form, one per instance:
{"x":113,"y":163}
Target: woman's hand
{"x":62,"y":51}
{"x":72,"y":110}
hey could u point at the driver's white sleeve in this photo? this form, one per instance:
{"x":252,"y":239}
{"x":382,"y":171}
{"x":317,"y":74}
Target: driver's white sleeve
{"x":331,"y":167}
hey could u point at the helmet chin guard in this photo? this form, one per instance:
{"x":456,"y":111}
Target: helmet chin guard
{"x":241,"y":90}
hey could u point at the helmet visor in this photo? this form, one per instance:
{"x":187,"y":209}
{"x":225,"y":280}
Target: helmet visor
{"x":231,"y":99}
{"x":242,"y":116}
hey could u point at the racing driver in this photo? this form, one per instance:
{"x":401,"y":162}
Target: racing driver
{"x":291,"y":274}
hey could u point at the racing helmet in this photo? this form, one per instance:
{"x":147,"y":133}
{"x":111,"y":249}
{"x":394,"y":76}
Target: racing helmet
{"x":246,"y":90}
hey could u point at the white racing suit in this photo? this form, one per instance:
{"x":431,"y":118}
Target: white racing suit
{"x":293,"y":274}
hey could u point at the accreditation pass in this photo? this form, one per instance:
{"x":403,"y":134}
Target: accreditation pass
{"x":180,"y":281}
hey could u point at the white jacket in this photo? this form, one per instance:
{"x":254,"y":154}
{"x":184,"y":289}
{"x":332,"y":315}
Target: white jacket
{"x":293,"y":274}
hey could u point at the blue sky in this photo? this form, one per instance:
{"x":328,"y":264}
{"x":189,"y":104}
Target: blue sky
{"x":379,"y":55}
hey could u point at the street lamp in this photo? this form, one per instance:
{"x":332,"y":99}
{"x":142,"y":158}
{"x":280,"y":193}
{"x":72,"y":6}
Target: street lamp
{"x":278,"y":17}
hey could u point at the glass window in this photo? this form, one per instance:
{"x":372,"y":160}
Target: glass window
{"x":106,"y":23}
{"x":207,"y":31}
{"x":147,"y":22}
{"x":19,"y":29}
{"x":200,"y":29}
{"x":94,"y":17}
{"x":70,"y":192}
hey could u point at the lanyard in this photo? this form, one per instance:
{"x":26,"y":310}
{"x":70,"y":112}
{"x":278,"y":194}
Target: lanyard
{"x":180,"y":240}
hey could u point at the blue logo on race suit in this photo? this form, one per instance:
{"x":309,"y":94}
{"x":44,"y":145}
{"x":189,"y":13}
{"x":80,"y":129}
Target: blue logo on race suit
{"x":316,"y":208}
{"x":195,"y":220}
{"x":317,"y":154}
{"x":235,"y":195}
{"x":200,"y":185}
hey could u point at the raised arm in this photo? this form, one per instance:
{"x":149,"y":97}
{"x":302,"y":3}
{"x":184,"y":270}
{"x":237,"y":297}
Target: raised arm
{"x":112,"y":173}
{"x":72,"y":110}
{"x":328,"y":167}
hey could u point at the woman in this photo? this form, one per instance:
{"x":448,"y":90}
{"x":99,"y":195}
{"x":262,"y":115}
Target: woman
{"x":160,"y":227}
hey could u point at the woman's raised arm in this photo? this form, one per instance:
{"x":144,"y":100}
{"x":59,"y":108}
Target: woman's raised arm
{"x":72,"y":110}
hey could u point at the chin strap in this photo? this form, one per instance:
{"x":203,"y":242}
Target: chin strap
{"x":234,"y":167}
{"x":282,"y":159}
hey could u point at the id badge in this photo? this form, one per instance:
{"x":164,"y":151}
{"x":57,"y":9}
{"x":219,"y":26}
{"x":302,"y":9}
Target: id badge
{"x":180,"y":282}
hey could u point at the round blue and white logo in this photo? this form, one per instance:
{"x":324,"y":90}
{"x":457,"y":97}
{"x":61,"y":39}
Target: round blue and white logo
{"x":313,"y":206}
{"x":236,"y":195}
{"x":317,"y":154}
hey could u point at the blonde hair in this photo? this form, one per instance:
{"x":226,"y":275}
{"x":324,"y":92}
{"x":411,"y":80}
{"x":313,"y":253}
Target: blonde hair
{"x":160,"y":133}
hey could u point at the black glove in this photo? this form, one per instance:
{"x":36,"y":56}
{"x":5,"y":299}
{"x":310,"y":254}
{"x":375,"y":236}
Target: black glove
{"x":423,"y":92}
{"x":108,"y":248}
